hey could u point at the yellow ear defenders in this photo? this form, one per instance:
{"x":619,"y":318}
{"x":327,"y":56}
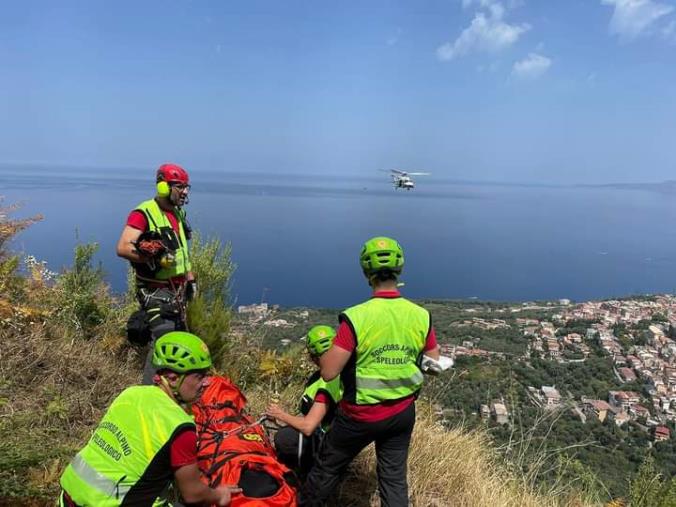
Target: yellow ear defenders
{"x":163,"y":189}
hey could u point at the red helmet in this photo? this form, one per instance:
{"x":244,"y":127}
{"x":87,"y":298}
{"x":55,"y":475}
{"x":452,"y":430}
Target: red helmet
{"x":172,"y":173}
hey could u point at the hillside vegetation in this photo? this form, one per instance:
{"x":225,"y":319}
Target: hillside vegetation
{"x":64,"y":357}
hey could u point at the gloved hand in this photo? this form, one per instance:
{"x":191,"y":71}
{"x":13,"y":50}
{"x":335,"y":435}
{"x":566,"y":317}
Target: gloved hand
{"x":435,"y":367}
{"x":152,"y":248}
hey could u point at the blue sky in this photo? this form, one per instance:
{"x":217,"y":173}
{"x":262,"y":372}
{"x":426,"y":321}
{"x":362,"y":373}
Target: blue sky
{"x":510,"y":91}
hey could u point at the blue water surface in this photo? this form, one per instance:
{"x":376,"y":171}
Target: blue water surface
{"x":297,"y":237}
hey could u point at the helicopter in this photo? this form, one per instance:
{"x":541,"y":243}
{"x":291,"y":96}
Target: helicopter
{"x":402,"y":179}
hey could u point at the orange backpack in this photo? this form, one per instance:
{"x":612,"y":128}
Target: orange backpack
{"x":233,"y":449}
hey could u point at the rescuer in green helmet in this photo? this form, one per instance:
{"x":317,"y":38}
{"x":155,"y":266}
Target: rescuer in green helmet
{"x":297,"y":443}
{"x":376,"y":354}
{"x":147,"y":437}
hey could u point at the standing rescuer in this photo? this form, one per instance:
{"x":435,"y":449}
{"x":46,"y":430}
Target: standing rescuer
{"x":377,"y":353}
{"x":147,"y":437}
{"x":155,"y":241}
{"x":297,"y":443}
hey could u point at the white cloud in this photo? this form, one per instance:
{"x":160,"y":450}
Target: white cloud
{"x":631,"y":18}
{"x":487,"y":32}
{"x":531,"y":67}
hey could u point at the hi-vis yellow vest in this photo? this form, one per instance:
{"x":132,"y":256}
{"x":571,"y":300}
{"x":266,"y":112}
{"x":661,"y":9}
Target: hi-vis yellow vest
{"x":137,"y":425}
{"x":158,"y":220}
{"x":391,"y":335}
{"x":315,"y":384}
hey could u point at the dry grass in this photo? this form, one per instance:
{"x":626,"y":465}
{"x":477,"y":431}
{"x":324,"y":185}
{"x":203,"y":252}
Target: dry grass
{"x":447,"y":467}
{"x":57,"y":387}
{"x":56,"y":381}
{"x":54,"y":389}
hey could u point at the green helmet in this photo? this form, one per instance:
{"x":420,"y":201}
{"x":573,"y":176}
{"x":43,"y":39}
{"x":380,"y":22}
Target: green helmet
{"x":181,"y":352}
{"x":319,"y":339}
{"x":381,"y":253}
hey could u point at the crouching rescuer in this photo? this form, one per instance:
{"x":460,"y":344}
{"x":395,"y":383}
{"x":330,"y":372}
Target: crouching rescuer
{"x":147,"y":438}
{"x":377,"y":352}
{"x":298,"y":442}
{"x":155,"y":241}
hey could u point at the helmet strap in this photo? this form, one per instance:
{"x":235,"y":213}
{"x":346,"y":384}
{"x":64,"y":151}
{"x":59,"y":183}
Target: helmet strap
{"x":173,"y":391}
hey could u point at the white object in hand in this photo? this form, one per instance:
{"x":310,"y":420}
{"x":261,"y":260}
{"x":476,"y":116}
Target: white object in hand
{"x":430,"y":365}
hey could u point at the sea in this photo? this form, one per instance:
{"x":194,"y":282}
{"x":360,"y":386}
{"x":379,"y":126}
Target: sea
{"x":296,"y":238}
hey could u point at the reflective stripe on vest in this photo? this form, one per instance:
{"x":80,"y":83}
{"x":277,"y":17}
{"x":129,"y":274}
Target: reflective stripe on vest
{"x":157,"y":219}
{"x":97,"y":480}
{"x":393,"y":383}
{"x":391,"y":335}
{"x":138,"y":424}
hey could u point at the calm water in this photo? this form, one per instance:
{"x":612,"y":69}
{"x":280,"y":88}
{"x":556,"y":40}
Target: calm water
{"x":299,"y":236}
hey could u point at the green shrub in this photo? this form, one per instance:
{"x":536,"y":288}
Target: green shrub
{"x":649,"y":489}
{"x":11,"y":283}
{"x":209,"y":313}
{"x":81,"y":292}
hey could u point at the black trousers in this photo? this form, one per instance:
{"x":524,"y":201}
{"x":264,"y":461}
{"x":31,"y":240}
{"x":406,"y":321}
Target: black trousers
{"x":164,"y":314}
{"x":287,"y":443}
{"x":346,"y":439}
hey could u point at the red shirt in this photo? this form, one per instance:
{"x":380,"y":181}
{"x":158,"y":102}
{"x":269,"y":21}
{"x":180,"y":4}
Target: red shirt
{"x":183,"y":449}
{"x":138,"y":220}
{"x":379,"y":411}
{"x":322,"y":397}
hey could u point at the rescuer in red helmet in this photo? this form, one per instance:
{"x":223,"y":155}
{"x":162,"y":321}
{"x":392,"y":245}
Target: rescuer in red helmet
{"x":155,"y":241}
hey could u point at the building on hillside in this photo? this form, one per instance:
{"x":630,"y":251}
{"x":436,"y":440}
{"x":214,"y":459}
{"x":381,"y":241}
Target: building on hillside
{"x":530,"y":330}
{"x":656,"y":385}
{"x":551,"y":396}
{"x":639,"y":411}
{"x":596,"y":408}
{"x":619,"y":418}
{"x":670,"y":376}
{"x":623,"y":399}
{"x":663,"y":403}
{"x":278,"y":323}
{"x":654,"y":334}
{"x":254,"y":311}
{"x":634,"y":362}
{"x":619,"y":360}
{"x":573,"y":338}
{"x":662,"y":433}
{"x":627,"y":374}
{"x":500,"y":413}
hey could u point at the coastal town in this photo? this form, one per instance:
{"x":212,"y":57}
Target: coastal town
{"x":636,"y":334}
